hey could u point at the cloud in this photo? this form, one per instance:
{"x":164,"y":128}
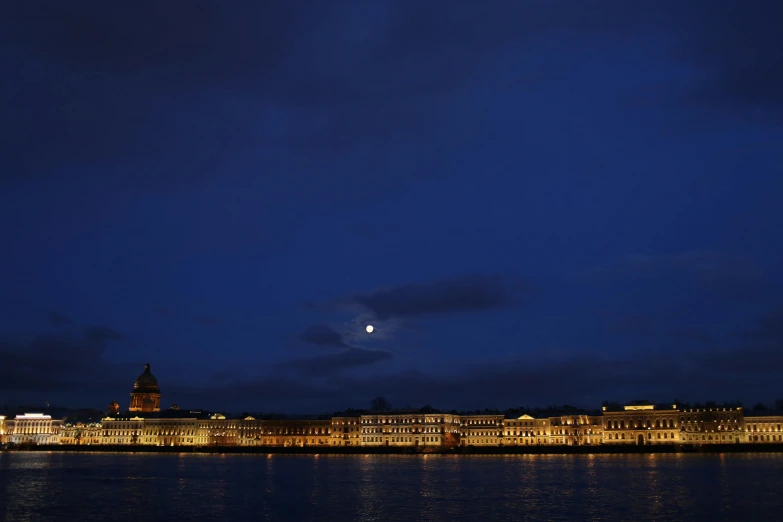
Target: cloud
{"x":633,"y":324}
{"x":466,"y":294}
{"x":737,"y":44}
{"x":759,"y":351}
{"x":94,"y":77}
{"x":59,"y":362}
{"x":322,"y":335}
{"x":101,"y":334}
{"x":695,"y":336}
{"x":330,"y":365}
{"x":58,"y":319}
{"x":222,"y":376}
{"x":322,"y":76}
{"x":211,"y":321}
{"x":721,"y":274}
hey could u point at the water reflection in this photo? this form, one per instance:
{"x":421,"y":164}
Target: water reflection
{"x":655,"y":495}
{"x":44,"y":487}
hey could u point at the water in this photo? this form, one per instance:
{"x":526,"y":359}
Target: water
{"x":168,"y":487}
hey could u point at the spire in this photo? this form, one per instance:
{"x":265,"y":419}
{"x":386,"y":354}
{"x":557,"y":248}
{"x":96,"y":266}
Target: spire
{"x":147,"y":368}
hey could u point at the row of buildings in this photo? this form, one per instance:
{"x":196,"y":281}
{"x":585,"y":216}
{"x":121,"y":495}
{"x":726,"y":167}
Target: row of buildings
{"x":638,"y":423}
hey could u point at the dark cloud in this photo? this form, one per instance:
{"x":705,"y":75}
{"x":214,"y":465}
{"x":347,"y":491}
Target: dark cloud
{"x":759,"y":351}
{"x":583,"y":381}
{"x":331,"y":365}
{"x":273,"y":393}
{"x":322,"y":335}
{"x":92,"y":80}
{"x":211,"y":321}
{"x":695,"y":336}
{"x":465,"y":294}
{"x":102,"y":334}
{"x":738,"y":46}
{"x":222,"y":376}
{"x":723,"y":275}
{"x":58,"y":319}
{"x":58,"y":362}
{"x":633,"y":324}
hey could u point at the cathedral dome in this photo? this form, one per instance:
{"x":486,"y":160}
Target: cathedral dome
{"x":146,"y":383}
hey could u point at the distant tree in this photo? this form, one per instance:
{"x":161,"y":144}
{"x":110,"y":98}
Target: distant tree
{"x":427,"y":409}
{"x":380,"y":404}
{"x":759,"y":407}
{"x":779,"y":404}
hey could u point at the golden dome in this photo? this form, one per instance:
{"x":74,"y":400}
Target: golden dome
{"x":146,"y":383}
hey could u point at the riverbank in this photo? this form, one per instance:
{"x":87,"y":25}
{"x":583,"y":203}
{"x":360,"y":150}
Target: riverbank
{"x":327,"y":450}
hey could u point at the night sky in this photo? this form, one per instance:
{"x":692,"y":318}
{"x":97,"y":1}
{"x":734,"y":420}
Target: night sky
{"x":533,"y":202}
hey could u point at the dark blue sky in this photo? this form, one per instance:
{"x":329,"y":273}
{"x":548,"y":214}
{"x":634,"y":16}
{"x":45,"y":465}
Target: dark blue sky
{"x":533,"y":202}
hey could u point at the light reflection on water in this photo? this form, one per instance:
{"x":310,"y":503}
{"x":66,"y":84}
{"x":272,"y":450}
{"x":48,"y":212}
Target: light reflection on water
{"x":42,"y":487}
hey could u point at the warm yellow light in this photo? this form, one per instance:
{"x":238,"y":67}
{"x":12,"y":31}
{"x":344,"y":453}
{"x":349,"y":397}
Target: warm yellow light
{"x":369,"y":328}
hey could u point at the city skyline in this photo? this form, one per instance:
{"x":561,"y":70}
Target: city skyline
{"x":541,"y":202}
{"x":146,"y":399}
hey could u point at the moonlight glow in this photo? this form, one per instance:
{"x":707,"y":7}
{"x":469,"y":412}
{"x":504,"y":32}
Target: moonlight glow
{"x":369,"y":328}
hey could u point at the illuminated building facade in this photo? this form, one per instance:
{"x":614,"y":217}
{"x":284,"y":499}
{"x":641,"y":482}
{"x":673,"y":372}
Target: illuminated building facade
{"x":641,"y":422}
{"x":713,"y":425}
{"x":216,"y":430}
{"x":145,"y":396}
{"x":122,"y":430}
{"x":636,"y":423}
{"x":410,"y":429}
{"x":763,"y":429}
{"x":345,"y":431}
{"x":32,"y":428}
{"x":520,"y":431}
{"x":481,"y":430}
{"x":81,"y":433}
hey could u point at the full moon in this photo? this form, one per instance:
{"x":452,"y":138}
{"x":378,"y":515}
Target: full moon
{"x":369,"y":328}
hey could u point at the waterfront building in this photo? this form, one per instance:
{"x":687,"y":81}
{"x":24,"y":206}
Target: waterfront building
{"x":145,"y":396}
{"x":766,"y":429}
{"x":124,"y":431}
{"x":286,"y":433}
{"x":481,"y":430}
{"x":346,"y":431}
{"x":33,"y":428}
{"x":641,"y":422}
{"x":636,"y":423}
{"x":414,"y":429}
{"x":576,"y":430}
{"x":215,"y":430}
{"x":519,"y":431}
{"x":172,"y":432}
{"x":712,"y":424}
{"x":81,"y":433}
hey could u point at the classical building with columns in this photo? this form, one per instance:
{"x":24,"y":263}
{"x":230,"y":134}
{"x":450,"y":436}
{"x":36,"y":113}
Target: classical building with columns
{"x":635,"y":423}
{"x":641,"y":422}
{"x":763,"y":429}
{"x":32,"y":428}
{"x":414,"y":429}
